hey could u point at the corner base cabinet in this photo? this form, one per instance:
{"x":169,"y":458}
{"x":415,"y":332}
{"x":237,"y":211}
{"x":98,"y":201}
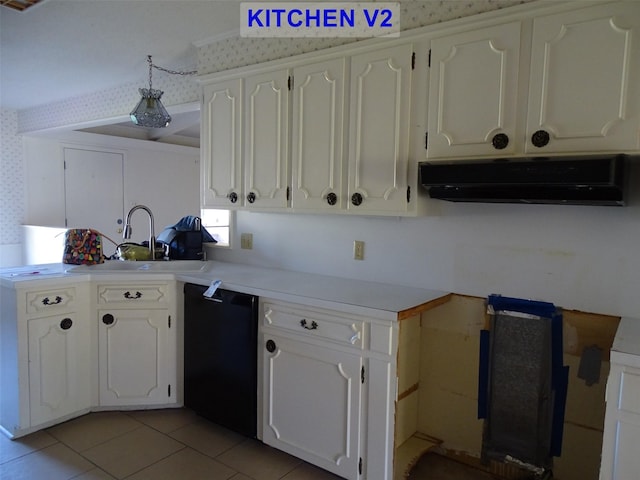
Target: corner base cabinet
{"x":45,"y":359}
{"x":317,"y":389}
{"x":136,"y":344}
{"x":69,"y":346}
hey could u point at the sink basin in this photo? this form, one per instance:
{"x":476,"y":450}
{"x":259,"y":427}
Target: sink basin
{"x":159,"y":266}
{"x":175,"y":266}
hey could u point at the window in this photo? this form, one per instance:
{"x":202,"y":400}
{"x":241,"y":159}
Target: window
{"x":218,"y":224}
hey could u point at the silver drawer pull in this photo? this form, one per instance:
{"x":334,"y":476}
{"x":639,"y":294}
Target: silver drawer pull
{"x":304,"y":324}
{"x":354,"y":338}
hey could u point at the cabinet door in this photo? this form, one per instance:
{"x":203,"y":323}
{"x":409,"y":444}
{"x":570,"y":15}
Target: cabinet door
{"x":379,"y":133}
{"x":266,"y":136}
{"x":584,"y":90}
{"x":311,"y":404}
{"x":317,"y":136}
{"x":59,"y":361}
{"x":135,"y":357}
{"x":472,"y":93}
{"x":221,"y":130}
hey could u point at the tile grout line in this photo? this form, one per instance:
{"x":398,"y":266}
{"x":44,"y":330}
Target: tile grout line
{"x":167,"y":434}
{"x":157,"y":461}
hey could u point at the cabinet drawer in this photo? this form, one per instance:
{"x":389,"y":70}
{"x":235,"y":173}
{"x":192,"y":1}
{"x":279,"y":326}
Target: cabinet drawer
{"x":51,"y":300}
{"x":133,"y":294}
{"x":315,"y":324}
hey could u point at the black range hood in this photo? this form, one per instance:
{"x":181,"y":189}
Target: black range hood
{"x":588,"y":180}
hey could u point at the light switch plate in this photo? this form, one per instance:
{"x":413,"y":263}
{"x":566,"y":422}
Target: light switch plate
{"x":358,"y":250}
{"x":246,"y":241}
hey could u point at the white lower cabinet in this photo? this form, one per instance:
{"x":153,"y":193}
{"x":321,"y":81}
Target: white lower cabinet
{"x":134,"y":357}
{"x":45,"y":372}
{"x":312,"y":403}
{"x":59,"y":369}
{"x":136,"y":344}
{"x":621,"y":436}
{"x":55,"y":336}
{"x":317,"y":390}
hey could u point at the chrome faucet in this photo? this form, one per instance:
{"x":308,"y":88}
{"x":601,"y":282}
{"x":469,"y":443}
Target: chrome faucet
{"x":126,"y":234}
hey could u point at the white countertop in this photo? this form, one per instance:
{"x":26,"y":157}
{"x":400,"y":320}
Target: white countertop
{"x":374,"y":299}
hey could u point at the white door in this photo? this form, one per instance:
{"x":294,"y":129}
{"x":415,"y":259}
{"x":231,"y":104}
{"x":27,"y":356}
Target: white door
{"x":266,"y":137}
{"x":584,"y":92}
{"x":318,"y":136}
{"x":94,"y":190}
{"x":379,"y":135}
{"x":134,"y":357}
{"x":311,"y":405}
{"x":59,"y":375}
{"x":473,"y":93}
{"x":221,"y":168}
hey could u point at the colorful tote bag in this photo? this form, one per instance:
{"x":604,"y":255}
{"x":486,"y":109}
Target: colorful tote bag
{"x":82,"y":246}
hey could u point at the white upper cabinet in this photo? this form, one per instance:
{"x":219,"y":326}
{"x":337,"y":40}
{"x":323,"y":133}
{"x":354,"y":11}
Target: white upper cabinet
{"x":584,"y":90}
{"x":245,"y":142}
{"x":474,"y":82}
{"x":380,"y":112}
{"x":324,"y":136}
{"x":317,"y":145}
{"x":565,"y":82}
{"x":266,"y":139}
{"x":221,"y":136}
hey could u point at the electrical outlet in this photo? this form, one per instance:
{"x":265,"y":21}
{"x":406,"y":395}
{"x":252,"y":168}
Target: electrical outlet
{"x":358,"y":250}
{"x":246,"y":241}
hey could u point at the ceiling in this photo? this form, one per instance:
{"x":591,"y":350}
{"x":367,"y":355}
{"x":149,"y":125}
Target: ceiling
{"x":60,"y":49}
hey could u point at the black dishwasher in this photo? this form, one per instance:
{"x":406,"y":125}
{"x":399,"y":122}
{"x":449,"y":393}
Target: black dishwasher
{"x":220,"y":357}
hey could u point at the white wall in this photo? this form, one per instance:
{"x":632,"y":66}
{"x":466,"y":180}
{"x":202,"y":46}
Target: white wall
{"x":163,"y":177}
{"x":583,"y":258}
{"x":11,"y":190}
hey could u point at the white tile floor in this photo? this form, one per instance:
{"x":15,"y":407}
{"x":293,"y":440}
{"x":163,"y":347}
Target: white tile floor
{"x":146,"y":445}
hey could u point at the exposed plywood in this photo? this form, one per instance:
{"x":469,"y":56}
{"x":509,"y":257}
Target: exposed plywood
{"x":585,"y":404}
{"x":408,"y":378}
{"x":449,"y":389}
{"x":461,"y":314}
{"x":408,"y":453}
{"x":448,"y":383}
{"x":424,"y":307}
{"x":581,"y":329}
{"x":580,"y":459}
{"x":408,"y":353}
{"x":406,"y":418}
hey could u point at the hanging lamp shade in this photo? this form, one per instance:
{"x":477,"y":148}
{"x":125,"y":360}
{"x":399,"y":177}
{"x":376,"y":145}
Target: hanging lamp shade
{"x":150,"y":112}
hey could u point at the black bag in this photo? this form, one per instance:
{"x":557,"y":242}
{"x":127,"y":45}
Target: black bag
{"x":186,"y":246}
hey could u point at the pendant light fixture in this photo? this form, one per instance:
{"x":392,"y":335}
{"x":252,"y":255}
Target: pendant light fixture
{"x":149,"y":111}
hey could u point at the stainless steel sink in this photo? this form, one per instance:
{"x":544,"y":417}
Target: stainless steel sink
{"x":132,"y":266}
